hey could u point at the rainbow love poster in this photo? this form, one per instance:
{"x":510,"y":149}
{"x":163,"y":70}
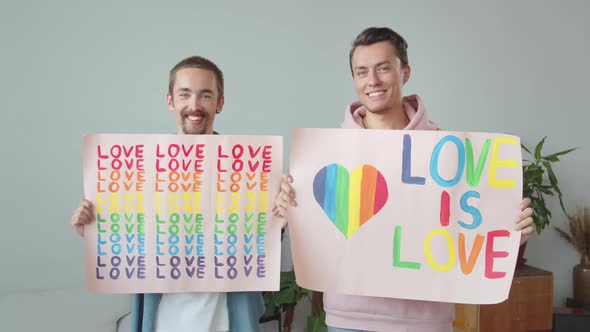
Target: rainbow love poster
{"x":182,"y":213}
{"x":424,"y":215}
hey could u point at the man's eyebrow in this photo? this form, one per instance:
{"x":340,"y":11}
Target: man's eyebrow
{"x":386,"y":62}
{"x":206,"y":91}
{"x":183,"y":90}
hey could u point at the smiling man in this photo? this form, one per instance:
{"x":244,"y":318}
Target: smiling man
{"x":379,"y":65}
{"x":195,"y":96}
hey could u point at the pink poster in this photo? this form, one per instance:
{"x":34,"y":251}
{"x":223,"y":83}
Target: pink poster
{"x":182,"y":213}
{"x":426,"y":215}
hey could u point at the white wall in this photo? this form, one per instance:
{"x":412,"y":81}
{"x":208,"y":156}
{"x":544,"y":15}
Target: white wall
{"x":74,"y":67}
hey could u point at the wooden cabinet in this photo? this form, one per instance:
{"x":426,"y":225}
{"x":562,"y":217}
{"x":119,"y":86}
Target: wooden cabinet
{"x":529,"y":306}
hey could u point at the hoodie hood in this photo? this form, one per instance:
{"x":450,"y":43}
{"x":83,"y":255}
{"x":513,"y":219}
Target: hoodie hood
{"x":413,"y":106}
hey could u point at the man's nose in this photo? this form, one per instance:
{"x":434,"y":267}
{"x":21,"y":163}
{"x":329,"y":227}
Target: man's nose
{"x":194,"y":103}
{"x":373,"y":78}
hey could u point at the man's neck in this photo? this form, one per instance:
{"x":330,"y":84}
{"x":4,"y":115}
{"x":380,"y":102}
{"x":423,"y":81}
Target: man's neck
{"x":393,"y":118}
{"x":180,"y":132}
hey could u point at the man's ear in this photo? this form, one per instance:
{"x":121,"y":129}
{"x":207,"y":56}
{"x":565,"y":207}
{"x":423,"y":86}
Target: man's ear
{"x":169,"y":102}
{"x":406,"y":74}
{"x":220,"y":103}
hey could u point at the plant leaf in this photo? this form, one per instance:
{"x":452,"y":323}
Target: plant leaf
{"x":316,"y":323}
{"x":538,"y":148}
{"x":525,"y":148}
{"x":555,"y":184}
{"x":560,"y":153}
{"x":546,"y":191}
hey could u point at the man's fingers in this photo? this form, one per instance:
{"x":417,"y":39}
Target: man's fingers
{"x":287,"y":178}
{"x":287,"y":201}
{"x":528,"y":222}
{"x":525,"y":203}
{"x":86,"y":216}
{"x":524,"y":219}
{"x":526,"y":234}
{"x":79,"y":229}
{"x":528,"y":231}
{"x":528,"y":212}
{"x":87,"y":204}
{"x":75,"y":217}
{"x":287,"y":190}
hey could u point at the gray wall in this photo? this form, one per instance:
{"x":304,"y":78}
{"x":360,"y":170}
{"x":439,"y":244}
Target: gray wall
{"x":74,"y":67}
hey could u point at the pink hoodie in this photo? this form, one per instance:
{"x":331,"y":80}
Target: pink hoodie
{"x":387,"y":314}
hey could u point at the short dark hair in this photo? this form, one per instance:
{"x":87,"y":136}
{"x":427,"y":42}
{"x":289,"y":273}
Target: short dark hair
{"x":197,"y":62}
{"x":375,"y":35}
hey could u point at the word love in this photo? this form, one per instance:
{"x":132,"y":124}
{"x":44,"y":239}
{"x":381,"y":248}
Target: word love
{"x":126,"y":168}
{"x":242,"y":188}
{"x":181,"y":157}
{"x":129,"y":156}
{"x":465,"y":162}
{"x":466,"y":263}
{"x":237,"y":153}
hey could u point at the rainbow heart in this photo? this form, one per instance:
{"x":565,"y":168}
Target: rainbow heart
{"x":352,"y":200}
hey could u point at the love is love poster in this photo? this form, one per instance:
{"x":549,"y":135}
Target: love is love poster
{"x":425,"y":215}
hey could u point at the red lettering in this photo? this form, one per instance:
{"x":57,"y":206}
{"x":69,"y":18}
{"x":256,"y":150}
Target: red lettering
{"x":220,"y":153}
{"x":253,"y":153}
{"x":99,"y":166}
{"x":139,"y":151}
{"x":185,"y":151}
{"x":129,"y":163}
{"x":158,"y":168}
{"x":116,"y":151}
{"x":199,"y":151}
{"x":491,"y":254}
{"x":444,"y":208}
{"x":266,"y":152}
{"x":219,"y":169}
{"x":100,"y":155}
{"x":240,"y":151}
{"x":173,"y":150}
{"x":198,"y":165}
{"x":254,"y":166}
{"x":186,"y":164}
{"x":126,"y":152}
{"x":158,"y":154}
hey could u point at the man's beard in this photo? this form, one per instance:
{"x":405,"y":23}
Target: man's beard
{"x":201,"y":129}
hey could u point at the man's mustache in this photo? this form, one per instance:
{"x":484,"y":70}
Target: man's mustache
{"x":202,"y":113}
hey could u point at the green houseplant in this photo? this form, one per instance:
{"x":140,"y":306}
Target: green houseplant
{"x":285,"y":300}
{"x":540,"y":181}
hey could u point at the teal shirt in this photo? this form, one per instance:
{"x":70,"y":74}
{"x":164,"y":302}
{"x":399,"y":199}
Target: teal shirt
{"x":244,"y":309}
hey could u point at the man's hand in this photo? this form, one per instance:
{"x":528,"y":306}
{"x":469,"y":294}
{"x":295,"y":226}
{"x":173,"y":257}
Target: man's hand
{"x":285,"y":198}
{"x":83,"y":215}
{"x":524,"y":220}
